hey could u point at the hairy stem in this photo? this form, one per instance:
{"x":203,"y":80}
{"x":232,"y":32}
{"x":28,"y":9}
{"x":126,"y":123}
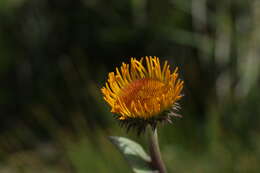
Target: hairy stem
{"x":157,"y":161}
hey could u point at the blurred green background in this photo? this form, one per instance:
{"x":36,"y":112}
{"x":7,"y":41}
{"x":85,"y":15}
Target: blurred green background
{"x":55,"y":56}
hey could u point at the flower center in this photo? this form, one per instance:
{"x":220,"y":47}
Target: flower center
{"x":144,"y":96}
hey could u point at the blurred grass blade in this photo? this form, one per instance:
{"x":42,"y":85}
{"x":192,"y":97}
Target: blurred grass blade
{"x":135,"y":155}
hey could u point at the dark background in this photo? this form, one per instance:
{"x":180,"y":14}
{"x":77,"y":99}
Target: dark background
{"x":54,"y":59}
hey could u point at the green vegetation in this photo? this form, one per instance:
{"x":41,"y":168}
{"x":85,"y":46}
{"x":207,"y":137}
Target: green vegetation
{"x":54,"y":57}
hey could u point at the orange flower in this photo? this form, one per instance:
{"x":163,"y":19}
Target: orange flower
{"x":142,"y":92}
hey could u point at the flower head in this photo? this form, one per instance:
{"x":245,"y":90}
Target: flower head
{"x":142,"y":93}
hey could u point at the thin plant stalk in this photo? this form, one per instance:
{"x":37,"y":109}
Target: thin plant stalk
{"x":155,"y":152}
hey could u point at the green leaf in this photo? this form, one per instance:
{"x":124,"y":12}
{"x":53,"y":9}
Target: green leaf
{"x":135,"y":155}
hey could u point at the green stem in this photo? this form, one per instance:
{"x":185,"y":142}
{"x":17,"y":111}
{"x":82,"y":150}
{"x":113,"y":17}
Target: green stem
{"x":157,"y":161}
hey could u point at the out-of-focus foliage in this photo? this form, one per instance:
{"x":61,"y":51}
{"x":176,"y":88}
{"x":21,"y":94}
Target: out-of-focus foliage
{"x":54,"y":58}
